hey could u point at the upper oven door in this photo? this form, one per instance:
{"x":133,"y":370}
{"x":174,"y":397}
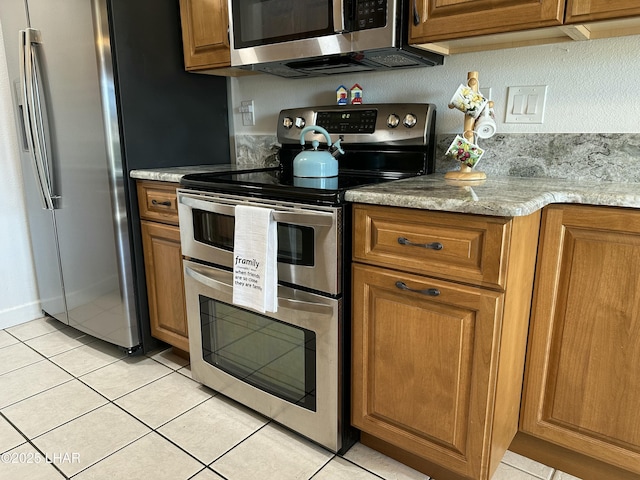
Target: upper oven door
{"x":309,"y":238}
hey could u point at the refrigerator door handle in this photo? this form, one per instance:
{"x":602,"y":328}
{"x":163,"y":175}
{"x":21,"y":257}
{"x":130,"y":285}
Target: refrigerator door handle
{"x":33,"y":119}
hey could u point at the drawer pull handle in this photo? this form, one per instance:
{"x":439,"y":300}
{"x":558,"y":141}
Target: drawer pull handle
{"x":432,"y":246}
{"x":166,"y":203}
{"x":432,"y":292}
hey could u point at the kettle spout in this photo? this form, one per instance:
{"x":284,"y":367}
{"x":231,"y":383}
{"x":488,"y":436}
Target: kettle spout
{"x":336,"y":149}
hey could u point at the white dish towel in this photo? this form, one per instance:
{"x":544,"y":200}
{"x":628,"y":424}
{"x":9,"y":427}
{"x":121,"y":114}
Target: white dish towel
{"x":255,"y":259}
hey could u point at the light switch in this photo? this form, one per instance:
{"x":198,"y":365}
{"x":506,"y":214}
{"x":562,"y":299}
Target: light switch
{"x":518,"y":104}
{"x":526,"y":104}
{"x":532,"y":104}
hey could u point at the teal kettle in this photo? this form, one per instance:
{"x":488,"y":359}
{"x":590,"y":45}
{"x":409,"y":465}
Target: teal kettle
{"x":317,"y":163}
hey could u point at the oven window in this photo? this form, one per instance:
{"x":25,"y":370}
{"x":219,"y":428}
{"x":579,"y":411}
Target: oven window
{"x":296,"y":243}
{"x":273,"y":356}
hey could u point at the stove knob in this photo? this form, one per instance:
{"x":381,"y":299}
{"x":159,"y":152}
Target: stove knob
{"x":410,"y":120}
{"x":287,"y":122}
{"x":393,"y":120}
{"x":300,"y":122}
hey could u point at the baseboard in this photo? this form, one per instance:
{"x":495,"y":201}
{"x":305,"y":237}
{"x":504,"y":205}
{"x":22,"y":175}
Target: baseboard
{"x":20,"y":314}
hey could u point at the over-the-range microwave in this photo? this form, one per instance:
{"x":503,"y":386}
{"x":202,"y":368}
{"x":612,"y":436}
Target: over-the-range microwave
{"x":306,"y":38}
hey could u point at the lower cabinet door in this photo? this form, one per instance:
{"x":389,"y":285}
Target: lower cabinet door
{"x":165,"y":283}
{"x":582,"y":382}
{"x":425,"y":356}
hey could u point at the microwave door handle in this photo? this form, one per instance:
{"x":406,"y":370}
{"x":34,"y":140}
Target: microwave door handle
{"x":339,"y":24}
{"x":31,"y":115}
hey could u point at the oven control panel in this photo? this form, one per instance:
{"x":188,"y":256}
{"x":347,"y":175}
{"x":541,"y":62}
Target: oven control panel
{"x":407,"y":123}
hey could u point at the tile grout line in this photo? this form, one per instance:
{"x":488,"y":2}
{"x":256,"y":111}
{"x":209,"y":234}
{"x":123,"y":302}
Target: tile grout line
{"x":29,"y":441}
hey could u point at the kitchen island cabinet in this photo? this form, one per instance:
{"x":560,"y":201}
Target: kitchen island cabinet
{"x":582,"y":385}
{"x":440,"y":316}
{"x":163,"y":262}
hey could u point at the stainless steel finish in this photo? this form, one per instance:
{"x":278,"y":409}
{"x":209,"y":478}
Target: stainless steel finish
{"x":287,"y":122}
{"x":393,"y":120}
{"x":378,"y":48}
{"x":410,"y":120}
{"x":335,"y":44}
{"x":315,"y":219}
{"x":324,"y":276}
{"x":300,"y":122}
{"x":33,"y":120}
{"x":76,"y":259}
{"x":385,"y":133}
{"x":319,"y":314}
{"x":116,"y":173}
{"x":339,"y":25}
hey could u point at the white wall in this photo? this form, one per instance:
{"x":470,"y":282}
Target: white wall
{"x":594,"y":87}
{"x":18,"y":293}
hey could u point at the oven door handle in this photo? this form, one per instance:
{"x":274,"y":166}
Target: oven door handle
{"x":200,"y":276}
{"x":204,"y":276}
{"x":315,"y":219}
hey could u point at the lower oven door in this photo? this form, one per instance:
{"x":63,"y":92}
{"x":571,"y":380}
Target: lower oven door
{"x":285,"y":365}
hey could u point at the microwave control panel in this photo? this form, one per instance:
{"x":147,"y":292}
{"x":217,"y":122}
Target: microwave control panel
{"x":370,"y":14}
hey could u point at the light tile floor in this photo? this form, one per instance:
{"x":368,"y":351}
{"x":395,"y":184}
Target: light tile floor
{"x":75,"y":407}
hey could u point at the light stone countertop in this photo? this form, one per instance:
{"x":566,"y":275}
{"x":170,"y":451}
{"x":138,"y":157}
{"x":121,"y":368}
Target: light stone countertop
{"x":174,"y":174}
{"x":497,"y":196}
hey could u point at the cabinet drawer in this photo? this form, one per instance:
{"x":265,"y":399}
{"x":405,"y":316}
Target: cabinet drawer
{"x":157,"y":201}
{"x":462,"y":247}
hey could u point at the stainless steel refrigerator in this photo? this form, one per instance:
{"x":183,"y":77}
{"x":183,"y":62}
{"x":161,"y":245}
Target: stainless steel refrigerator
{"x":100,"y":89}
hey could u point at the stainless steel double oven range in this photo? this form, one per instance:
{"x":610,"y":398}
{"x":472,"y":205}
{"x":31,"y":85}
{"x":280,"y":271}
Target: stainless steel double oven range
{"x":293,"y":365}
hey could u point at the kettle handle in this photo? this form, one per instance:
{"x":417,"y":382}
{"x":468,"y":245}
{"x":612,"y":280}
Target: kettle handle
{"x":314,"y":128}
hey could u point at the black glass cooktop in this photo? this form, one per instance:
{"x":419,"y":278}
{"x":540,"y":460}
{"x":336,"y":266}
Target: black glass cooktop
{"x":277,"y":184}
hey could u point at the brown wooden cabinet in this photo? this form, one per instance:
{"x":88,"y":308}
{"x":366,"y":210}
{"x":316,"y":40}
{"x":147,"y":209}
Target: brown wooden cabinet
{"x":590,"y":10}
{"x":583,"y":364}
{"x":204,"y":34}
{"x":440,"y":315}
{"x":205,"y":38}
{"x":163,"y":262}
{"x":444,"y":20}
{"x":458,"y":26}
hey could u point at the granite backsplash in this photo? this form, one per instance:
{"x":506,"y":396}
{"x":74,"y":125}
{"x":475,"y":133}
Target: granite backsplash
{"x":611,"y":157}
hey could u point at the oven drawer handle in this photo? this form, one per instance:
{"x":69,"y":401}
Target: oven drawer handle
{"x":432,"y":292}
{"x":283,"y":302}
{"x":315,"y":219}
{"x":431,"y":246}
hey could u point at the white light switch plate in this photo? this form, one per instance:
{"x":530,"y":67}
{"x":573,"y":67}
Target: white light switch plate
{"x":526,"y":104}
{"x":248,"y":112}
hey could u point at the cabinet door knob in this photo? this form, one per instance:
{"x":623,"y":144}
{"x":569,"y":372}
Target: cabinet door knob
{"x":432,"y":246}
{"x":166,"y":203}
{"x":432,"y":292}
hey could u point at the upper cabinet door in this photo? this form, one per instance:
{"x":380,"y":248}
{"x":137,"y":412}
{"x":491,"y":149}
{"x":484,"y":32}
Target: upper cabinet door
{"x":205,"y":38}
{"x":588,"y":10}
{"x":437,"y":20}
